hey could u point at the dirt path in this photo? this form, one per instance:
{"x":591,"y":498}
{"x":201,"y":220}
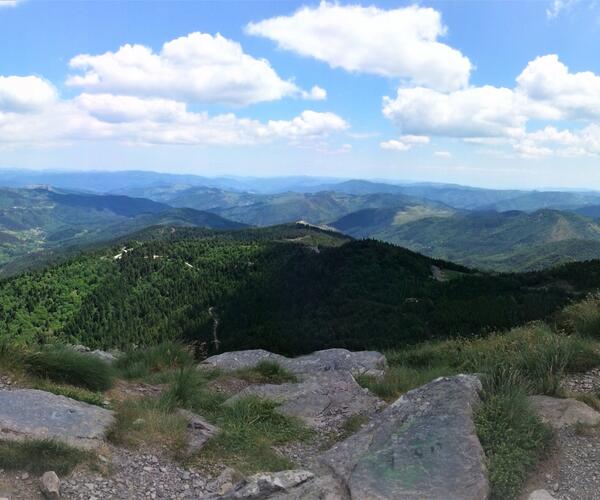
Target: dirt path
{"x":573,"y":470}
{"x":213,"y":314}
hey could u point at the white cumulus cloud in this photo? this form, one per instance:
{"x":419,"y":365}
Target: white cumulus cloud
{"x":198,"y":67}
{"x":25,"y":93}
{"x":135,"y":120}
{"x":405,"y":142}
{"x":472,"y":112}
{"x":402,"y":43}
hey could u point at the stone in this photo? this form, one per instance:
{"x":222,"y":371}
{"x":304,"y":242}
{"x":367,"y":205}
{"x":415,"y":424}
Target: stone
{"x":226,"y":481}
{"x":540,"y":495}
{"x":34,"y":414}
{"x":559,"y":413}
{"x":264,"y":485}
{"x":320,"y":400}
{"x":424,"y":445}
{"x":357,"y":363}
{"x":199,"y":431}
{"x":50,"y":485}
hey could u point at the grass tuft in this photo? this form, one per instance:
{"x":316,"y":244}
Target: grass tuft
{"x":513,"y":438}
{"x":69,"y":391}
{"x":399,"y":379}
{"x":148,"y":421}
{"x":250,"y":428}
{"x":39,"y":456}
{"x":70,"y":367}
{"x":266,"y":372}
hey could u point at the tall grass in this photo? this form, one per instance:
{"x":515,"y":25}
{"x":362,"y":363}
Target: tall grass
{"x":141,"y":363}
{"x":70,"y":367}
{"x":583,"y":317}
{"x":537,"y":354}
{"x":511,"y":434}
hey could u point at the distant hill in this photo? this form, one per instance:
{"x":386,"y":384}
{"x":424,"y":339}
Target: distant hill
{"x":292,"y":289}
{"x":505,"y":241}
{"x":33,"y":220}
{"x":559,"y":200}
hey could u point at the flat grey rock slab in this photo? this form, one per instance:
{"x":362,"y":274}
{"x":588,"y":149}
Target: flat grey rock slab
{"x":33,"y":414}
{"x":559,"y":413}
{"x":323,"y":399}
{"x":359,"y":362}
{"x":423,"y":446}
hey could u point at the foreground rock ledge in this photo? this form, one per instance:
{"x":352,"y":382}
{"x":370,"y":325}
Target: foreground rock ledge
{"x":33,"y":414}
{"x":424,"y":445}
{"x":357,"y":363}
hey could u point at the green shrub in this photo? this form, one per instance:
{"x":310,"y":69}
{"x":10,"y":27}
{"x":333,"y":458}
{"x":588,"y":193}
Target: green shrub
{"x":512,"y":436}
{"x":583,"y":317}
{"x":266,"y":372}
{"x":67,"y":366}
{"x":140,"y":363}
{"x":39,"y":456}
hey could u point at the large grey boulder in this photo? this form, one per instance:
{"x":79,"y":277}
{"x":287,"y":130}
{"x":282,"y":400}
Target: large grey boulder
{"x":359,"y":362}
{"x":324,"y":399}
{"x":33,"y":414}
{"x":423,"y":446}
{"x":559,"y":413}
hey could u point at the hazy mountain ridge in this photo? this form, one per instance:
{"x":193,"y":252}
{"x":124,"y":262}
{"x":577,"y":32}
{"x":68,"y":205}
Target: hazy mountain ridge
{"x":496,"y":240}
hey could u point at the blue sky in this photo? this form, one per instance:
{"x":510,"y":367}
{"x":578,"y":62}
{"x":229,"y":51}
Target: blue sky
{"x":486,"y":93}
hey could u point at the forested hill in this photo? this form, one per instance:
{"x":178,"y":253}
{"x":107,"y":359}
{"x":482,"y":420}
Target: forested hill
{"x":43,"y":220}
{"x":291,"y":289}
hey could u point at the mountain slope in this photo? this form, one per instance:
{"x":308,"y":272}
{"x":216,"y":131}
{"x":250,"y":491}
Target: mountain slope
{"x":292,"y":289}
{"x":501,"y":241}
{"x":32,"y":220}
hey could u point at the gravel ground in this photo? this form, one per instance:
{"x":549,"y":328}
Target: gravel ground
{"x":576,"y":474}
{"x":133,"y":475}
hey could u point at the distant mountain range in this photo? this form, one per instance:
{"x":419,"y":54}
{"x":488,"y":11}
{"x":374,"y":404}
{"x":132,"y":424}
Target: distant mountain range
{"x":505,"y":230}
{"x":33,"y":220}
{"x":505,"y":241}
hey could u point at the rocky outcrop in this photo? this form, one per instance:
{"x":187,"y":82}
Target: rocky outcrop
{"x":324,"y":399}
{"x":107,"y":357}
{"x":423,"y":445}
{"x":559,"y":413}
{"x":360,"y":362}
{"x":33,"y":414}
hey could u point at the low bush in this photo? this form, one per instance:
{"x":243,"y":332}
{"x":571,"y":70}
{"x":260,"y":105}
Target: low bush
{"x":165,"y":357}
{"x":67,"y":366}
{"x":39,"y":456}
